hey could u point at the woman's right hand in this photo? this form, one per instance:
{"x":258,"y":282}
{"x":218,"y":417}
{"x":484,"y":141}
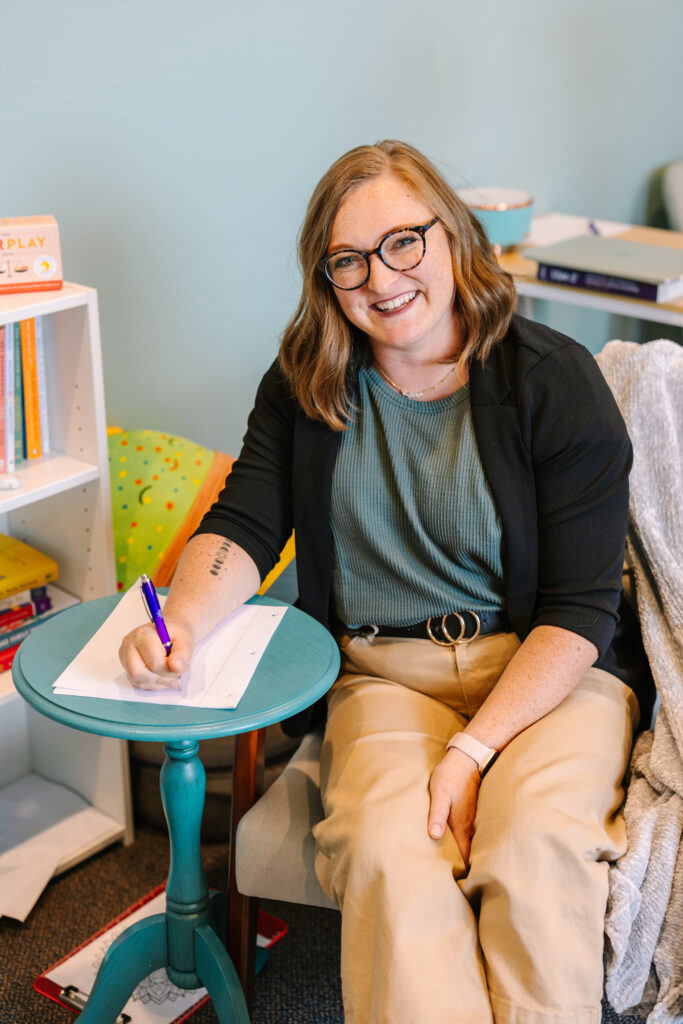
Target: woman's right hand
{"x":144,"y":658}
{"x":213,"y":577}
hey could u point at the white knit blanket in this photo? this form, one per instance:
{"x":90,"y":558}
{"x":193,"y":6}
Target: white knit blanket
{"x":645,"y":911}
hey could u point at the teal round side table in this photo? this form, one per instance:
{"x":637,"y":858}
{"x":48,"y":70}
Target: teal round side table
{"x":299,"y":665}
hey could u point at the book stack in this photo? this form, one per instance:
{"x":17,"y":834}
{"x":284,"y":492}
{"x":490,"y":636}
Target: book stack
{"x":28,"y":596}
{"x":626,"y":267}
{"x":24,"y":427}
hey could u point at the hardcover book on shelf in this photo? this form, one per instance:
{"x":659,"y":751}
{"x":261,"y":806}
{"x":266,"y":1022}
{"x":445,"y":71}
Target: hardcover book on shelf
{"x":26,"y":605}
{"x":7,"y":459}
{"x":611,"y":264}
{"x":42,"y":387}
{"x":3,"y":417}
{"x":29,"y":366}
{"x":31,"y":595}
{"x":15,"y":617}
{"x":17,"y":631}
{"x":19,"y":432}
{"x":8,"y":399}
{"x":23,"y":567}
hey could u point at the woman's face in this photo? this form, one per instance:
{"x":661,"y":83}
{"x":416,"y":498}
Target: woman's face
{"x":411,"y":310}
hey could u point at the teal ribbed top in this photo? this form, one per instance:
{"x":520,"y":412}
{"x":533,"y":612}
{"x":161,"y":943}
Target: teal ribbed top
{"x":415,"y":529}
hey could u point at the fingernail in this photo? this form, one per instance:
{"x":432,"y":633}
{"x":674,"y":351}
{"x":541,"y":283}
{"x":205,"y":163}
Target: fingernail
{"x":436,"y":831}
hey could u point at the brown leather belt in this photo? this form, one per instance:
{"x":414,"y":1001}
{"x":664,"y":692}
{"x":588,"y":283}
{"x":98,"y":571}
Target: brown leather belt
{"x":449,"y":631}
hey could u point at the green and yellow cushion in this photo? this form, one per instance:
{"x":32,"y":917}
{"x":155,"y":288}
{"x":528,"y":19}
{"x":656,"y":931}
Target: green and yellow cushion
{"x":161,"y":485}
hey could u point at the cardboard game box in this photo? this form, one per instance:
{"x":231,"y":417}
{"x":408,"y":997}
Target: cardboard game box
{"x":30,"y":257}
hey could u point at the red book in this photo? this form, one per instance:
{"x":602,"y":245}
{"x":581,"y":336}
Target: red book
{"x":7,"y":657}
{"x":14,"y":617}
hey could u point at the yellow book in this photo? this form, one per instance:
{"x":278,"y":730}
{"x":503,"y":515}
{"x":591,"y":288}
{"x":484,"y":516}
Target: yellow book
{"x":29,"y":366}
{"x":23,"y":567}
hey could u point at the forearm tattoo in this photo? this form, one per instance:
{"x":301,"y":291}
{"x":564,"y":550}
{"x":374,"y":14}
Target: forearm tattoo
{"x":220,"y":557}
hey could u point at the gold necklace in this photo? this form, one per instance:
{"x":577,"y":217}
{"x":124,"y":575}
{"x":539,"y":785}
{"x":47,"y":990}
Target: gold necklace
{"x":415,"y":394}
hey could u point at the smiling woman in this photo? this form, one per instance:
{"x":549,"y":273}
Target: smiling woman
{"x":408,"y":316}
{"x":453,"y":302}
{"x":456,"y":477}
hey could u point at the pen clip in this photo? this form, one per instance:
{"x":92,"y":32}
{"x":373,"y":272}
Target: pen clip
{"x":144,"y":583}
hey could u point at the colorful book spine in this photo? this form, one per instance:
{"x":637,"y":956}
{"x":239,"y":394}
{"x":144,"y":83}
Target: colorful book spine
{"x":42,"y":386}
{"x":3,"y":425}
{"x":12,"y":617}
{"x":36,"y":596}
{"x":9,"y":399}
{"x":15,"y":617}
{"x":19,"y":431}
{"x":591,"y":281}
{"x":31,"y":401}
{"x":13,"y":637}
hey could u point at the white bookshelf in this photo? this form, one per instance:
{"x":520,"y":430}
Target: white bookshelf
{"x":63,"y":508}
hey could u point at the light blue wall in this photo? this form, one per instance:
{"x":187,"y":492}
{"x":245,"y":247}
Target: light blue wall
{"x":177,"y":146}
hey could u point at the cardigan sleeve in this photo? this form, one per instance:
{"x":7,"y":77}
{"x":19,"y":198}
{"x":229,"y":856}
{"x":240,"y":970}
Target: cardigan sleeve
{"x":581,"y":456}
{"x":254,"y":509}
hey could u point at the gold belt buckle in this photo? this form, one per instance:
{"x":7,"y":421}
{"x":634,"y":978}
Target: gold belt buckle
{"x":461,"y":638}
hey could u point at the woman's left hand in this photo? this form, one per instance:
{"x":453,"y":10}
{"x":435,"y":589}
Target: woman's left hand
{"x":453,"y":790}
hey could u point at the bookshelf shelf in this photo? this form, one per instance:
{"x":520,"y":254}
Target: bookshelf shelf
{"x":555,"y":227}
{"x":63,"y":507}
{"x":20,"y":307}
{"x":108,"y":833}
{"x":45,"y":477}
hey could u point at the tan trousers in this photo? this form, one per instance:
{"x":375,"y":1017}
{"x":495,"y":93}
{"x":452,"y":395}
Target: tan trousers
{"x":518,"y":939}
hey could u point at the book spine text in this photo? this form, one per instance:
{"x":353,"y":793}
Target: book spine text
{"x":597,"y":282}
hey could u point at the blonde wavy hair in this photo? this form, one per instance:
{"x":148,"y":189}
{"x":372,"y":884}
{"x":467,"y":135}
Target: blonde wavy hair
{"x":319,"y":346}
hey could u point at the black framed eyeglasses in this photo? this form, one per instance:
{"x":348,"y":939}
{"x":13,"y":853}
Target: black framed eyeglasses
{"x":400,"y":249}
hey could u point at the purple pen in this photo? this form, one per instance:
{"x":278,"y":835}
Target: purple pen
{"x":149,"y":596}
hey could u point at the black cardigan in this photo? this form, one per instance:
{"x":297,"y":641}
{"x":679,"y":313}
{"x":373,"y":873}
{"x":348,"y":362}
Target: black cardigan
{"x":555,"y":452}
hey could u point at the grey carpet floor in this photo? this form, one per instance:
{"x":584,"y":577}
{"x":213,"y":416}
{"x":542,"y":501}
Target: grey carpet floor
{"x":298,"y":985}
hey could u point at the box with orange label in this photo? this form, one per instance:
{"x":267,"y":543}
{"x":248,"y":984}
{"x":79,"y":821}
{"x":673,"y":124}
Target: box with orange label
{"x":30,"y":257}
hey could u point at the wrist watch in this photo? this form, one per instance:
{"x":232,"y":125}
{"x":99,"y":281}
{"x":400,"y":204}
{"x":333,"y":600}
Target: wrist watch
{"x":482,"y":755}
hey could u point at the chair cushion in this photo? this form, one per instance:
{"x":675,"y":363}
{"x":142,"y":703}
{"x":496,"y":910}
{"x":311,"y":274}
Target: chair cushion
{"x":275,"y":848}
{"x":161,"y":485}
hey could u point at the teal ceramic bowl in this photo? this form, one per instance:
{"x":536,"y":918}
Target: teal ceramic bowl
{"x":505,"y":213}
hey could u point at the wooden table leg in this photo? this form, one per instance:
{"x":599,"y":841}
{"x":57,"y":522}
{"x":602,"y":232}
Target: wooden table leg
{"x":247,"y":786}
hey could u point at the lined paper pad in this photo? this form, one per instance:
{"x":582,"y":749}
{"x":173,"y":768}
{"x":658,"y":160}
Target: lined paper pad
{"x":221,"y":669}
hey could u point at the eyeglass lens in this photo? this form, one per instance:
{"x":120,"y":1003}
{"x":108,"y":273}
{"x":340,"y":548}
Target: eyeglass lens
{"x":401,"y":250}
